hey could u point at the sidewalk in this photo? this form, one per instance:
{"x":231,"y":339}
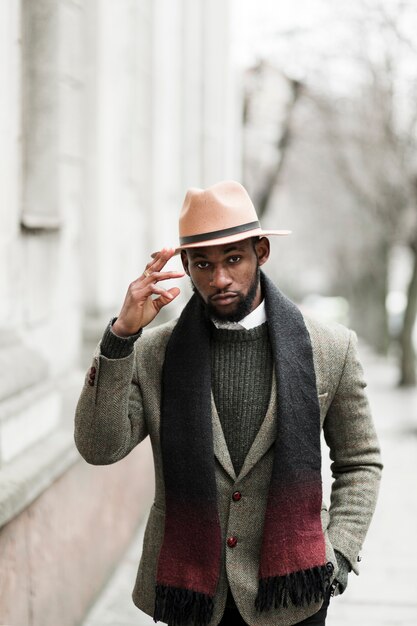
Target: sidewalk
{"x":385,"y":593}
{"x":115,"y":606}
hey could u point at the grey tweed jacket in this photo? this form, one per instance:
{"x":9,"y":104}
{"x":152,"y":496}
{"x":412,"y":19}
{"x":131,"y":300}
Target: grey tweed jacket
{"x":122,"y":407}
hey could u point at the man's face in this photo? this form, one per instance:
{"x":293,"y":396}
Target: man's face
{"x":226,"y":277}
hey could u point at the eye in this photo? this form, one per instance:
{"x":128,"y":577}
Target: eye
{"x":234,"y":259}
{"x":202,"y":265}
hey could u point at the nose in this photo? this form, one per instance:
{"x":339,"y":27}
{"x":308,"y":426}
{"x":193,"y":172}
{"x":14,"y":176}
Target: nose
{"x":220,"y":278}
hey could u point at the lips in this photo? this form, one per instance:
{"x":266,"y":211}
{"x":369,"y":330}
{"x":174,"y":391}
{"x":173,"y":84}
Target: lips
{"x":223,"y":299}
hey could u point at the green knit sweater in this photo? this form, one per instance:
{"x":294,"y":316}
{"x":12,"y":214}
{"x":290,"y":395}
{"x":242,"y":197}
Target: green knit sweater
{"x":241,"y":372}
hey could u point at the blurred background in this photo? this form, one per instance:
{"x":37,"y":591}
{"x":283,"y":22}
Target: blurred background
{"x":109,"y":111}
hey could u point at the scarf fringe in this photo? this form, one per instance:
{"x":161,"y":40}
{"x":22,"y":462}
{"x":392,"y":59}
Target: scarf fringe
{"x":298,"y":587}
{"x":182,"y":606}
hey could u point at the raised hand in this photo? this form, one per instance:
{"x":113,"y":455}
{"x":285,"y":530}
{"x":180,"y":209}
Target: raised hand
{"x":139,"y":308}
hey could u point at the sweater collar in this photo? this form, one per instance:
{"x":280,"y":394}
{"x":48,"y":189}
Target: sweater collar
{"x":252,"y":320}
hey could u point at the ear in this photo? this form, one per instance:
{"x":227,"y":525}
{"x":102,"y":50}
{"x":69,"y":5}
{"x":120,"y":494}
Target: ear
{"x":184,"y":260}
{"x":262,"y":249}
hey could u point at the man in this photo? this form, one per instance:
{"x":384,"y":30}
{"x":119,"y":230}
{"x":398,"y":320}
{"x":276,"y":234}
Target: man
{"x":233,"y":395}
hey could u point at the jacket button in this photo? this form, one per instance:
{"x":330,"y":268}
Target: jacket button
{"x":231,"y":542}
{"x":91,"y":376}
{"x":236,"y":496}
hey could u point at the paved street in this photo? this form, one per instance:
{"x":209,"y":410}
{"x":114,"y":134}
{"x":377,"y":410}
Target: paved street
{"x":385,"y":593}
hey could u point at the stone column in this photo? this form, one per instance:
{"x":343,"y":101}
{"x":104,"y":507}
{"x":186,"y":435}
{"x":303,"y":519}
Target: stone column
{"x":10,"y":164}
{"x":167,"y":121}
{"x":40,"y":28}
{"x":221,"y":123}
{"x":118,"y":147}
{"x":193,"y":92}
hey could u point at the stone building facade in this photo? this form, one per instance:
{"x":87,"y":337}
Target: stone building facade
{"x":109,"y":110}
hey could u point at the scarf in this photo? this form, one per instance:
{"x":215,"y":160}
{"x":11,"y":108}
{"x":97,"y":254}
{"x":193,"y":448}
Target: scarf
{"x":292,"y":561}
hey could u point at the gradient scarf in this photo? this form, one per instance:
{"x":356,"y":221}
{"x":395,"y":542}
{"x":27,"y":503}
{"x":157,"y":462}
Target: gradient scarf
{"x":292,"y":562}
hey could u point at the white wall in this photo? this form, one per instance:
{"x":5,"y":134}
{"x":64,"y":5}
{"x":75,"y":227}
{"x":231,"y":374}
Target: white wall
{"x":109,"y":111}
{"x":41,"y":167}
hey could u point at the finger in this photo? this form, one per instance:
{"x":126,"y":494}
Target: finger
{"x":144,"y":282}
{"x":167,"y":254}
{"x":160,"y":260}
{"x":165,"y":299}
{"x":158,"y":276}
{"x":154,"y":255}
{"x":160,"y":291}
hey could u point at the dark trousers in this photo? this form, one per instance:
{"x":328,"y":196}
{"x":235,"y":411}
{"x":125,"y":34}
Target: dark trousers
{"x":232,"y":617}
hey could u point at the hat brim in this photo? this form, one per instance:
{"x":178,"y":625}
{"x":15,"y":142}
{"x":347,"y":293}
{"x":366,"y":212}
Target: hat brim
{"x":256,"y":232}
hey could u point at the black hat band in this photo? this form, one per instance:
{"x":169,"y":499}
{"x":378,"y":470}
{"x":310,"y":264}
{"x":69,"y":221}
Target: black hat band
{"x":218,"y":234}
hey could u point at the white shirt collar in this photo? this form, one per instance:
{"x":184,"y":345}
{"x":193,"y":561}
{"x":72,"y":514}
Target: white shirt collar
{"x":255,"y":318}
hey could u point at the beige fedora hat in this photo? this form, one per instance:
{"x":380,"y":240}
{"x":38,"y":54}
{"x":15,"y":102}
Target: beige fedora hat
{"x":220,"y":214}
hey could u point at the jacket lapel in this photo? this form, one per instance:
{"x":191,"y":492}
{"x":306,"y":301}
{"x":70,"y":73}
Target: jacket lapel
{"x":221,"y":451}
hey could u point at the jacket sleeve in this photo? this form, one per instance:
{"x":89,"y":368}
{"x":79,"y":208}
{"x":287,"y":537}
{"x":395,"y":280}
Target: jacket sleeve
{"x":109,"y":418}
{"x":356,"y":463}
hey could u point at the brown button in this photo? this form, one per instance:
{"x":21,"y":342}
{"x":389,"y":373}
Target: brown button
{"x":231,"y":542}
{"x":91,"y":376}
{"x":236,"y":496}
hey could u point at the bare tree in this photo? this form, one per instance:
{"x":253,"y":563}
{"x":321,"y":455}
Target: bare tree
{"x":268,"y":133}
{"x":374,"y":138}
{"x":372,"y":133}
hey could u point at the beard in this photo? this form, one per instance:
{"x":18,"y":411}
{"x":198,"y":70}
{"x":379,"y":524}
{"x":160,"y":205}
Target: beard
{"x":243,"y":304}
